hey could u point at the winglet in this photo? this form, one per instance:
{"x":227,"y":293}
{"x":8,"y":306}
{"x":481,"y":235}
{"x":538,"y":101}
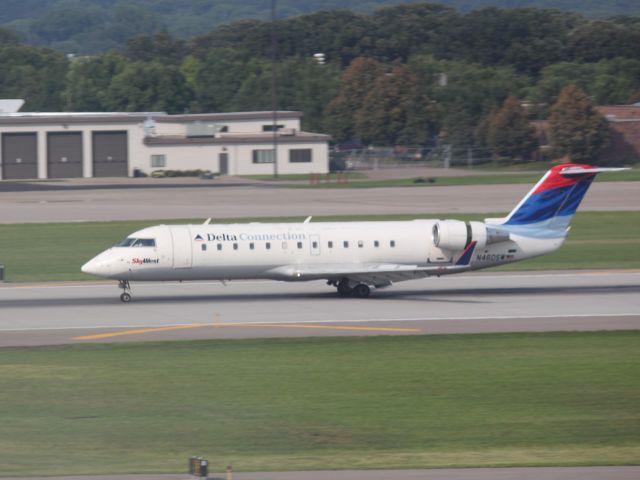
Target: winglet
{"x":465,"y":258}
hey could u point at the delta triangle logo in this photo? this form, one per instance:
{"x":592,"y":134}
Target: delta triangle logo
{"x":199,"y":238}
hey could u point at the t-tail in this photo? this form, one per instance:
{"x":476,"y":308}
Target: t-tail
{"x":547,"y":210}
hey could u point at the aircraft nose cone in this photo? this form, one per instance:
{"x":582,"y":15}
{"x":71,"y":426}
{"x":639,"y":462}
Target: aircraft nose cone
{"x":91,"y":267}
{"x":97,"y":266}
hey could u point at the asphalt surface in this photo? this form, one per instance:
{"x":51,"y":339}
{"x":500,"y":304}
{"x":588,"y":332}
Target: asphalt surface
{"x":149,"y":199}
{"x":471,"y":303}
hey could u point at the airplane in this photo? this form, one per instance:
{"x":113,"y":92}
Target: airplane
{"x":351,"y":256}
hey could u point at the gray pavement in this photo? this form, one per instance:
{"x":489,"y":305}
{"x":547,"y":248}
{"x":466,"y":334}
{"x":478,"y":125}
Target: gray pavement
{"x":470,"y":303}
{"x":149,"y":199}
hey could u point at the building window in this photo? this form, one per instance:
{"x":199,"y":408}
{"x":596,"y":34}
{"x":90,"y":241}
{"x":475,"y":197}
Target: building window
{"x":262,"y":156}
{"x":158,"y":161}
{"x":300,"y":155}
{"x":269,"y":128}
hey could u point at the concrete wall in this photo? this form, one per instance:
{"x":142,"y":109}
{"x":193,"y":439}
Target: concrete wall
{"x":183,"y":155}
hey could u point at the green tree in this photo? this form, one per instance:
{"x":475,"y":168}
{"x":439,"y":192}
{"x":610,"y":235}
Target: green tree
{"x":35,"y":74}
{"x":151,"y":86}
{"x":576,"y":129}
{"x":89,"y":79}
{"x":355,"y":83}
{"x":160,"y":47}
{"x":395,"y":111}
{"x":510,"y":134}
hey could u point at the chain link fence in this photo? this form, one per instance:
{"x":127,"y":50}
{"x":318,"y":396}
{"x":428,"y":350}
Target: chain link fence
{"x":443,"y":156}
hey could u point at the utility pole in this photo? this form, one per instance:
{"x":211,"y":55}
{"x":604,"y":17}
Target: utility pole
{"x":274,"y":96}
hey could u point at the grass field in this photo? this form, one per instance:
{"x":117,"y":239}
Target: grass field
{"x":491,"y":179}
{"x":55,"y":252}
{"x":322,"y":403}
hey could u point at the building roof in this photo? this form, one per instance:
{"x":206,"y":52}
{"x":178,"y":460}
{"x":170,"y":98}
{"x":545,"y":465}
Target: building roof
{"x":617,"y":113}
{"x":44,"y":118}
{"x":230,"y":139}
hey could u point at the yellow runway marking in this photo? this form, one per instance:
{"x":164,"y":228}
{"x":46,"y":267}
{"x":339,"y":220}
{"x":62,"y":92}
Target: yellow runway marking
{"x":142,"y":331}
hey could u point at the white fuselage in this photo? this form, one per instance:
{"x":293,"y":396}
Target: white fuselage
{"x":272,"y":251}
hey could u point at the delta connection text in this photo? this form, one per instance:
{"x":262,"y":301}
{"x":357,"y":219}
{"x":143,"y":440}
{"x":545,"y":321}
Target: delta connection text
{"x":232,"y":237}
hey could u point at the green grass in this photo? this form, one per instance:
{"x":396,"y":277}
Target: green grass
{"x":302,"y":177}
{"x":55,"y":251}
{"x":471,"y":179}
{"x":325,"y":403}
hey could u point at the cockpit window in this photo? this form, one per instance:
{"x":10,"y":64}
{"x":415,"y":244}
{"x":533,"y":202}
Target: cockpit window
{"x":127,"y":242}
{"x":137,"y":242}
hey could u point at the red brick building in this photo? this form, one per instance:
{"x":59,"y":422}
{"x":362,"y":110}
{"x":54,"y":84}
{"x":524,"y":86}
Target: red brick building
{"x":624,"y":145}
{"x":625,"y":133}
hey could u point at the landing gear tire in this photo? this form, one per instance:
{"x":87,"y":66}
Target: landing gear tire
{"x":361,"y":291}
{"x":125,"y":297}
{"x":344,"y":289}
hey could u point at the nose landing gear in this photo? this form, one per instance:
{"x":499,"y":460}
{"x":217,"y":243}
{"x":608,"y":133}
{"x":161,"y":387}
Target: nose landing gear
{"x":125,"y":297}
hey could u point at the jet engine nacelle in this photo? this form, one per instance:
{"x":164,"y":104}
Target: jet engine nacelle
{"x":457,"y":235}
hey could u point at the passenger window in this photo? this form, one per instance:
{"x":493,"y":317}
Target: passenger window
{"x":330,"y":244}
{"x":251,"y":246}
{"x":376,"y":243}
{"x":268,"y":245}
{"x":345,"y":244}
{"x":299,"y":244}
{"x":219,"y":246}
{"x":204,"y":247}
{"x":360,"y":244}
{"x":392,"y":243}
{"x":314,"y":244}
{"x":235,"y":246}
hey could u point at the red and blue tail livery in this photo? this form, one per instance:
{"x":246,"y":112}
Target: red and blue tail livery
{"x":557,"y":194}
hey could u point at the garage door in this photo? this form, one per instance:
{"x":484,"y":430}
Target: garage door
{"x":19,"y":155}
{"x":110,"y":154}
{"x":64,"y":155}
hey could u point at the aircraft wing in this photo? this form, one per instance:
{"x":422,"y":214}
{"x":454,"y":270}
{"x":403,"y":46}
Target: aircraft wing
{"x":378,"y":274}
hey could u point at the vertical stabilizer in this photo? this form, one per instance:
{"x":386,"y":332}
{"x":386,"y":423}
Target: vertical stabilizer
{"x":553,"y":201}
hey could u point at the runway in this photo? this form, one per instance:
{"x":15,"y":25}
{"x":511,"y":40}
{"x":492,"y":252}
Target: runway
{"x":50,"y":314}
{"x":150,"y":199}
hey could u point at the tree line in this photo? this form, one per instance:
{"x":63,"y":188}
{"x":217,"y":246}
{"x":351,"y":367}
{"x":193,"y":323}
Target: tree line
{"x":411,"y":74}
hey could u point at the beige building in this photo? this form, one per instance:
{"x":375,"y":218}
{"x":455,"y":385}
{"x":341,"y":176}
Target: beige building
{"x":68,"y":145}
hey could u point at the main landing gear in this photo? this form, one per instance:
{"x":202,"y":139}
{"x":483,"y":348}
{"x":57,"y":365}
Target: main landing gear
{"x":345,"y":289}
{"x":125,"y":297}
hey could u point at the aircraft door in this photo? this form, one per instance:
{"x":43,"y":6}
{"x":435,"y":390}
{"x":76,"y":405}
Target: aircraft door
{"x":314,"y":244}
{"x":181,"y":239}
